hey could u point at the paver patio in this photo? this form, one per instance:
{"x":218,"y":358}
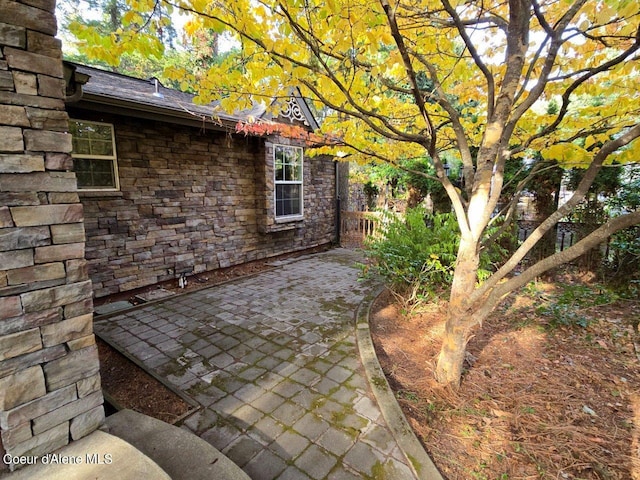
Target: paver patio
{"x":272,"y":359}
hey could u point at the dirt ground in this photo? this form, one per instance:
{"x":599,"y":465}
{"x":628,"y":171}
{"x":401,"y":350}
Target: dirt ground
{"x":128,"y":386}
{"x":536,"y":401}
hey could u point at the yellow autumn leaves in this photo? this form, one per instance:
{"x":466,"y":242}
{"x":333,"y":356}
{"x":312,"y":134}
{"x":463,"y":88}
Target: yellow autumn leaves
{"x":345,"y":55}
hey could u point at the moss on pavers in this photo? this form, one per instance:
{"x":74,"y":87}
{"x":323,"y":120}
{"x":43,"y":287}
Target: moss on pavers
{"x":326,"y":386}
{"x":339,"y":373}
{"x":318,"y":365}
{"x":289,"y":445}
{"x":336,"y":440}
{"x":363,"y":458}
{"x":380,"y":438}
{"x":287,"y":388}
{"x":251,"y":373}
{"x":351,"y":423}
{"x":266,"y":430}
{"x":275,"y":363}
{"x":305,"y":376}
{"x":287,"y":413}
{"x":344,"y":395}
{"x":308,"y":399}
{"x":204,"y":394}
{"x":311,"y":425}
{"x":201,"y":421}
{"x":389,"y":470}
{"x":337,"y":305}
{"x":247,"y":416}
{"x":222,"y":434}
{"x":316,"y":462}
{"x":268,"y":362}
{"x":268,"y":402}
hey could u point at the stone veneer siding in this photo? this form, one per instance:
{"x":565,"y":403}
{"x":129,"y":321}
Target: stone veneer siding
{"x":193,"y":200}
{"x":49,"y":371}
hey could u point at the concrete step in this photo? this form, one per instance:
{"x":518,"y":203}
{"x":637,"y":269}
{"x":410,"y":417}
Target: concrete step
{"x":98,"y":456}
{"x":181,"y":454}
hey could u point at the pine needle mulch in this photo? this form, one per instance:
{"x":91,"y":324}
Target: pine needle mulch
{"x":535,"y":402}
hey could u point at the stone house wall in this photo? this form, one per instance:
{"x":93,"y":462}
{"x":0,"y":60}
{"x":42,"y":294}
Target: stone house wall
{"x":193,"y":200}
{"x":49,"y":371}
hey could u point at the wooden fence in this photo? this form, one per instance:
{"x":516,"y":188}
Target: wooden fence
{"x":355,"y":227}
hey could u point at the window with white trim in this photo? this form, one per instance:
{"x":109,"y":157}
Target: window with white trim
{"x":94,"y":155}
{"x":288,"y":176}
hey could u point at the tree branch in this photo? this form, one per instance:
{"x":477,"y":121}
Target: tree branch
{"x":573,"y":87}
{"x":397,"y":36}
{"x":583,"y":246}
{"x":557,"y":40}
{"x":580,"y":192}
{"x":462,"y":30}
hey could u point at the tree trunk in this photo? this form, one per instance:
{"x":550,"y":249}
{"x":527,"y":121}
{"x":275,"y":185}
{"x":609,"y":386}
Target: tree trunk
{"x":547,"y":196}
{"x":452,"y":353}
{"x":415,"y":197}
{"x":460,"y":318}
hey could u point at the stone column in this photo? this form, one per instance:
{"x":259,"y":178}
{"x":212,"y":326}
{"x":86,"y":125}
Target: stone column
{"x":49,"y":372}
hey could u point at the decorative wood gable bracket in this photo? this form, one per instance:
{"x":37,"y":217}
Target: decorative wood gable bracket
{"x":295,"y":110}
{"x":291,"y":110}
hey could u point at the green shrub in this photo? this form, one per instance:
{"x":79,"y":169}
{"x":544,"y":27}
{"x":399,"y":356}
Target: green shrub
{"x":622,"y":267}
{"x":416,"y":254}
{"x":566,"y":308}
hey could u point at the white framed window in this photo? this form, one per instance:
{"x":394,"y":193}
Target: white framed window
{"x":288,"y":176}
{"x":94,"y":155}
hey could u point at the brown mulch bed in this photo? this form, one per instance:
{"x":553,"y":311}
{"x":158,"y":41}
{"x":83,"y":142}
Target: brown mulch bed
{"x":129,"y":386}
{"x":535,"y":402}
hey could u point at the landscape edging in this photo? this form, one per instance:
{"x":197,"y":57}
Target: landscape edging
{"x":419,"y":460}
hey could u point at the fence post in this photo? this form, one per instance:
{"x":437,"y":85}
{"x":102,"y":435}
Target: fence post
{"x":356,"y":226}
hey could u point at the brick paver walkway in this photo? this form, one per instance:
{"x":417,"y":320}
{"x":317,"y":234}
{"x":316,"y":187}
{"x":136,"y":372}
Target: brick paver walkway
{"x":272,"y":360}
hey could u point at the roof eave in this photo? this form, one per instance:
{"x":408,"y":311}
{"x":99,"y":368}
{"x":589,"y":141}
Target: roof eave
{"x":109,"y":104}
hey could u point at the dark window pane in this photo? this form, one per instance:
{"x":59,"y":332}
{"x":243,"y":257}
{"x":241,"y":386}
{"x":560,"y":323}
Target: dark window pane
{"x":81,"y":165}
{"x":279,"y":172}
{"x":81,"y":146}
{"x":103,"y":179}
{"x":102,"y":166}
{"x":94,"y":173}
{"x":288,"y":201}
{"x":293,"y":206}
{"x":99,"y":147}
{"x":84,"y":179}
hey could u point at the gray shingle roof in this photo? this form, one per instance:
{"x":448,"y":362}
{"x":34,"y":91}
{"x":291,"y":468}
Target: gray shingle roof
{"x":114,"y":89}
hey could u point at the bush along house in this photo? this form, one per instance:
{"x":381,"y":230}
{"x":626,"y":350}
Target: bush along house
{"x":171,"y":189}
